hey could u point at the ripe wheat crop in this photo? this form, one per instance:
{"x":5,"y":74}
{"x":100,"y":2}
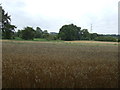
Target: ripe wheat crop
{"x":59,"y":65}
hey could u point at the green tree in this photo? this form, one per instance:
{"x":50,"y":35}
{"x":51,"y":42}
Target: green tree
{"x":8,"y":31}
{"x":19,"y":32}
{"x":38,"y":33}
{"x":69,"y":32}
{"x":6,"y":27}
{"x":118,"y":39}
{"x":28,"y":33}
{"x":85,"y":35}
{"x":93,"y":36}
{"x":45,"y":34}
{"x":52,"y":37}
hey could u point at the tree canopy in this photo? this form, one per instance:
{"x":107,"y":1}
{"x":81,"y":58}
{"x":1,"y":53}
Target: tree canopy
{"x":28,"y":33}
{"x":38,"y":33}
{"x":45,"y":34}
{"x":85,"y":34}
{"x":6,"y":27}
{"x":70,"y":32}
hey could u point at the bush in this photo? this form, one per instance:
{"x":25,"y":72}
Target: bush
{"x":104,"y":38}
{"x":52,"y":37}
{"x":28,"y":33}
{"x":118,"y":39}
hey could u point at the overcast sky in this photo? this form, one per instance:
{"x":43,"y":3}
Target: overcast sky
{"x":51,"y":15}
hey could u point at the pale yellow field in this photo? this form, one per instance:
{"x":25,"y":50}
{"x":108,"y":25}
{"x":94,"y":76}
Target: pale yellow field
{"x":65,"y":41}
{"x":99,"y":42}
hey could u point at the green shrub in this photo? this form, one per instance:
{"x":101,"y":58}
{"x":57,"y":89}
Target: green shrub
{"x":28,"y":33}
{"x":104,"y":38}
{"x":118,"y":39}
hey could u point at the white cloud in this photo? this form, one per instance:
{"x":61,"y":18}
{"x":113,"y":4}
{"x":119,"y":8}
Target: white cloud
{"x":52,"y":14}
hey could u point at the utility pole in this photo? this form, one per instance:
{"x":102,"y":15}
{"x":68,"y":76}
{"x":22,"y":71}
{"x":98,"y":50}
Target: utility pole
{"x":91,"y":28}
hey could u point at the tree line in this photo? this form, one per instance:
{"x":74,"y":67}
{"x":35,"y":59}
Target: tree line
{"x":67,"y":32}
{"x":28,"y":33}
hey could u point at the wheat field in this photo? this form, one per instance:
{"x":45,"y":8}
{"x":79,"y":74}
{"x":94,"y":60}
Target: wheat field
{"x":59,"y":65}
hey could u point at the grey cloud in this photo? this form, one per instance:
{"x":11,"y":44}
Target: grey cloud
{"x":106,"y":22}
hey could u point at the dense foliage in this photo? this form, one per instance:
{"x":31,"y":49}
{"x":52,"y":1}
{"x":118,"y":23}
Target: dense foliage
{"x":70,"y":32}
{"x":85,"y":35}
{"x":28,"y":33}
{"x":103,"y":38}
{"x":38,"y":33}
{"x":93,"y":36}
{"x":6,"y":27}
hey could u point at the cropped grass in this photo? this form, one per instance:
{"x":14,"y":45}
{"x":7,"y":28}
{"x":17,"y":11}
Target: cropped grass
{"x":59,"y":65}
